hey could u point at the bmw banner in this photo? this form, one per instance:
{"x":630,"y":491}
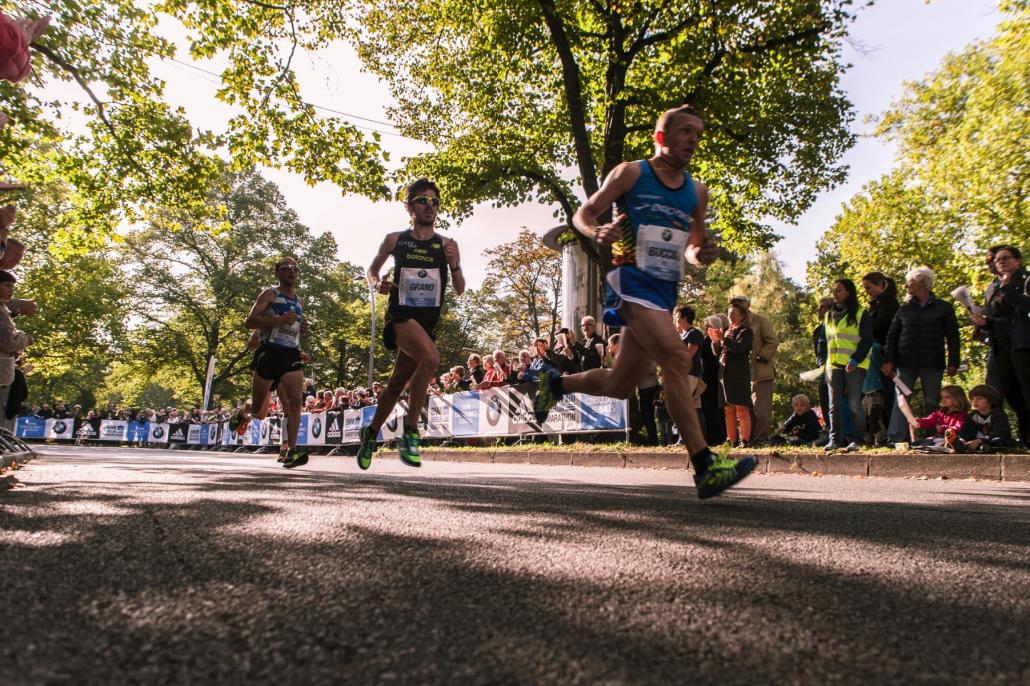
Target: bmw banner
{"x":493,"y":413}
{"x":315,"y":430}
{"x":60,"y":429}
{"x":157,"y":433}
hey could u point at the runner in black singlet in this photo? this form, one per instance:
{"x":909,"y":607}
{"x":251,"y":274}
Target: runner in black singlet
{"x":422,"y":260}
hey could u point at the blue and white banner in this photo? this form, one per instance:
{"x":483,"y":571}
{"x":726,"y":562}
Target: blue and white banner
{"x":505,"y":411}
{"x":136,"y":432}
{"x":30,"y":427}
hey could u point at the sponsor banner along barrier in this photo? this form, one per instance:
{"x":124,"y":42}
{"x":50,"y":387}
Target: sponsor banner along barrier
{"x":505,"y":411}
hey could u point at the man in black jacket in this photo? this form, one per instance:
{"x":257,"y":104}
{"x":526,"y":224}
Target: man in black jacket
{"x":591,"y":351}
{"x":923,"y":331}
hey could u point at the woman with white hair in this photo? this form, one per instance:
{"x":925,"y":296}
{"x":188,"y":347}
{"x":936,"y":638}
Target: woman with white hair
{"x":921,"y":343}
{"x":711,"y":397}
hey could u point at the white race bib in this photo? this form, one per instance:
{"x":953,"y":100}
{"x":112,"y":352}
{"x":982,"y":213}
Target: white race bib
{"x":660,"y":251}
{"x":420,"y":287}
{"x":286,"y":335}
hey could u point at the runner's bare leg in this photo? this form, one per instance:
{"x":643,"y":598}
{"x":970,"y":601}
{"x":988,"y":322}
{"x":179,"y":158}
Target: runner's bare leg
{"x":291,"y":387}
{"x":403,"y":369}
{"x":414,"y":342}
{"x":649,"y":335}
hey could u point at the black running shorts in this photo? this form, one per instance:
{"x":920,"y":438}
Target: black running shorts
{"x":427,"y":319}
{"x":271,"y":362}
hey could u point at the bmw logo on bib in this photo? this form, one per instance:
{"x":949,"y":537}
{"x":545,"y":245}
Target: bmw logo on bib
{"x":422,"y":273}
{"x":667,"y":234}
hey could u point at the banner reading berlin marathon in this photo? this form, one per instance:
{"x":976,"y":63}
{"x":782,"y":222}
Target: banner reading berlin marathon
{"x":505,"y":411}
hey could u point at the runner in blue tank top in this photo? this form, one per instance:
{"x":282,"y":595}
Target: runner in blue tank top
{"x":661,"y":220}
{"x":278,"y":314}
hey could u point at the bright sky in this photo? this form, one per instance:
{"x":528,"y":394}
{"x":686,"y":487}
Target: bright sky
{"x":899,"y":40}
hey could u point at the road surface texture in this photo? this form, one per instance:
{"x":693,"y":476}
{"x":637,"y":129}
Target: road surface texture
{"x":142,"y":566}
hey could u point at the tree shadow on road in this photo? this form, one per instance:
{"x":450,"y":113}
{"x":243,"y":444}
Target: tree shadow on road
{"x":318,"y":577}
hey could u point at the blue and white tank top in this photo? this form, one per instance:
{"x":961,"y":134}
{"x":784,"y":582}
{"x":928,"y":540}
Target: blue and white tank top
{"x":283,"y":335}
{"x":655,"y":237}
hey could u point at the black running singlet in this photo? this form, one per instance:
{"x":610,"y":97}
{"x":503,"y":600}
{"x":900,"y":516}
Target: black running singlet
{"x":420,"y":272}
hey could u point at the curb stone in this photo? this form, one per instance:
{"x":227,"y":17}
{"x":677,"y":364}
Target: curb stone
{"x":933,"y":466}
{"x":891,"y":465}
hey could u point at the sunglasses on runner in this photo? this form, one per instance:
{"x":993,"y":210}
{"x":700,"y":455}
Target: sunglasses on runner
{"x":426,"y":200}
{"x":288,"y":268}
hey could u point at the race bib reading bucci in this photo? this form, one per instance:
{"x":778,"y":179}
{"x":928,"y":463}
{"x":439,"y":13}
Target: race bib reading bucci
{"x":420,"y":287}
{"x":286,"y":335}
{"x":660,"y":251}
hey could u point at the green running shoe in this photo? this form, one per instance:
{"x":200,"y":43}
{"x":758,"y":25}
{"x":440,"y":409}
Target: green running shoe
{"x":408,"y":445}
{"x":546,"y":398}
{"x":296,"y":458}
{"x":721,"y":474}
{"x":367,"y":447}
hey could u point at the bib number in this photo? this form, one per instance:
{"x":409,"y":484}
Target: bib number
{"x":420,"y":287}
{"x":660,"y":251}
{"x":286,"y":335}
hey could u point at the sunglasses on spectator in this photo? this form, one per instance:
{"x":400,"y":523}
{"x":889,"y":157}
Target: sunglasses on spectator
{"x":426,"y":200}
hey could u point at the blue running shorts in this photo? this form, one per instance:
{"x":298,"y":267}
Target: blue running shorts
{"x":629,"y":284}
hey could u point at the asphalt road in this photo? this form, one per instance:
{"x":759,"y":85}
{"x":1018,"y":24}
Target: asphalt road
{"x":133,"y":566}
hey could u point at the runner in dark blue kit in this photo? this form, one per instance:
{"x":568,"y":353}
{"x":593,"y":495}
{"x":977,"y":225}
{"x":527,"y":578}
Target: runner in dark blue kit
{"x":661,"y":220}
{"x":422,"y":259}
{"x":278,"y":314}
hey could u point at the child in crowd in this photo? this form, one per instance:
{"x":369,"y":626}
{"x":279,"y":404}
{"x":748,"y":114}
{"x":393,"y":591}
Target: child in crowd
{"x":872,"y":408}
{"x":802,"y":427}
{"x":987,"y":428}
{"x":954,"y":408}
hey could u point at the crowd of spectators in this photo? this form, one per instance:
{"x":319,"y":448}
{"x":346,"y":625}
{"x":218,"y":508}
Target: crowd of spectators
{"x":864,"y":353}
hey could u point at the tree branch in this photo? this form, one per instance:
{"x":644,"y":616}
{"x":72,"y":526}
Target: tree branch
{"x":573,"y":95}
{"x":101,"y":112}
{"x":289,"y":60}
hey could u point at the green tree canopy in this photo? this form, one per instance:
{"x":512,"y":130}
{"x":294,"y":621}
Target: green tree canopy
{"x":115,"y":140}
{"x":528,"y":100}
{"x":193,"y":283}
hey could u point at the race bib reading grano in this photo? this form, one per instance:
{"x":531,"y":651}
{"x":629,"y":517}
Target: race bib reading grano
{"x":660,"y":251}
{"x":419,"y":287}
